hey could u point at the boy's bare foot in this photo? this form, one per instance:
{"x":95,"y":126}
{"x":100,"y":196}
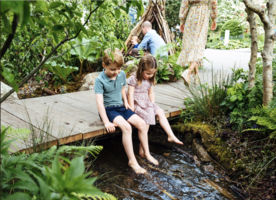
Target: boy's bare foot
{"x":175,"y":140}
{"x":152,"y":160}
{"x":141,"y":151}
{"x":137,"y":169}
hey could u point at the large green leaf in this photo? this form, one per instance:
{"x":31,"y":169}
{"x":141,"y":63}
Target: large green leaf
{"x":55,"y":4}
{"x":19,"y":196}
{"x":86,"y":49}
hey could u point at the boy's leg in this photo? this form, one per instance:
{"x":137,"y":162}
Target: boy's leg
{"x":166,"y":126}
{"x":142,"y":127}
{"x":127,"y":142}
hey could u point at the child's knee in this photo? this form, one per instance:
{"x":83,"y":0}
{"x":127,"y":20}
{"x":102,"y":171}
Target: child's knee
{"x":126,"y":128}
{"x":141,"y":124}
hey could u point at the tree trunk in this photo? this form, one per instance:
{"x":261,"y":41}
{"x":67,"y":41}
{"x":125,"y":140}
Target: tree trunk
{"x":268,"y":20}
{"x":251,"y":18}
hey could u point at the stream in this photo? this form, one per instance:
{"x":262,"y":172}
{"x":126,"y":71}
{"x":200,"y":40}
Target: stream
{"x":174,"y":178}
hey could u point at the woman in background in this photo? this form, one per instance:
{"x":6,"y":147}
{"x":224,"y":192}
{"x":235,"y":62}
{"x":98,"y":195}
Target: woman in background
{"x":194,"y":23}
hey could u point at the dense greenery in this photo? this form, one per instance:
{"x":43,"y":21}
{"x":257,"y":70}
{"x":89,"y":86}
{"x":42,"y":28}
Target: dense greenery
{"x":47,"y":175}
{"x":234,"y":26}
{"x":172,"y":12}
{"x":46,"y":31}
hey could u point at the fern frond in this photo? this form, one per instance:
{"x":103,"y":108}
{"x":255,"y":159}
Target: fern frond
{"x":20,"y":133}
{"x":96,"y":197}
{"x":92,"y":149}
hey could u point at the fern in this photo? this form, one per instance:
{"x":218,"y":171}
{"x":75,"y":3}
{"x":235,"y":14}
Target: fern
{"x":20,"y":133}
{"x":95,"y":197}
{"x":265,"y":117}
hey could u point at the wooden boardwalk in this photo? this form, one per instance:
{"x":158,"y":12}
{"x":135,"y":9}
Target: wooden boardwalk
{"x":74,"y":116}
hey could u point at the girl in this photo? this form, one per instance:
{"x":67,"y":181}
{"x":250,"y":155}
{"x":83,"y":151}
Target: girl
{"x":141,"y":97}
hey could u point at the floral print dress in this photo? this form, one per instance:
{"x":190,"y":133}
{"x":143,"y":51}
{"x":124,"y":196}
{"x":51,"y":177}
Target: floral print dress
{"x":143,"y":107}
{"x":194,"y":14}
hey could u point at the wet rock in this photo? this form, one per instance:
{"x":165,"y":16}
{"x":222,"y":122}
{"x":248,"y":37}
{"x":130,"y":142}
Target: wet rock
{"x":189,"y":138}
{"x":197,"y":161}
{"x":130,"y":67}
{"x":5,"y":89}
{"x":208,"y":168}
{"x":89,"y":81}
{"x":201,"y":153}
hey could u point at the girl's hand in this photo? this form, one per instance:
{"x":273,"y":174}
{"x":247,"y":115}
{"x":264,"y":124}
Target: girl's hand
{"x":182,"y":28}
{"x":213,"y":26}
{"x":127,"y":106}
{"x":110,"y":127}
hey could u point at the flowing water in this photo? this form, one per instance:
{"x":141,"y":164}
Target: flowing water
{"x":174,"y":178}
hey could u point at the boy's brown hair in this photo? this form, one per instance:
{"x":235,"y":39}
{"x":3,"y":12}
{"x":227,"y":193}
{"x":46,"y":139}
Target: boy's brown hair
{"x":147,"y":62}
{"x":118,"y":57}
{"x":135,"y":38}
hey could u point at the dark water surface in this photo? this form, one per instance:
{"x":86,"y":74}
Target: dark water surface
{"x":117,"y":178}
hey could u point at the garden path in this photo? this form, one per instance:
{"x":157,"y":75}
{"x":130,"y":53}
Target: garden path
{"x":227,"y":59}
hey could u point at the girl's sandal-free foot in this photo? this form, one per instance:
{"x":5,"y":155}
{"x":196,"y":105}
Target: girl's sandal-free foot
{"x":184,"y":76}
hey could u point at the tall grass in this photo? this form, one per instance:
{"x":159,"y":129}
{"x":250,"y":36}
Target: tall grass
{"x":206,"y":98}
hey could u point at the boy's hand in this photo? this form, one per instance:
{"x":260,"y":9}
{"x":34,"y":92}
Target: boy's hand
{"x":130,"y":52}
{"x":110,"y":127}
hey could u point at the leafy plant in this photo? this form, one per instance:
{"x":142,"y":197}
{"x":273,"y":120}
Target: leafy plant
{"x":85,"y":50}
{"x":206,"y":99}
{"x":61,"y":70}
{"x":28,"y":178}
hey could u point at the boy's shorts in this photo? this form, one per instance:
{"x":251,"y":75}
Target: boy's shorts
{"x":114,"y":111}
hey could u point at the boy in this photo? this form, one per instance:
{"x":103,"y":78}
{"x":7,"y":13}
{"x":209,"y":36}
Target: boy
{"x":114,"y":109}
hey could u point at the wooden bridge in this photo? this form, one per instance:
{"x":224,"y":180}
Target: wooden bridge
{"x":65,"y":118}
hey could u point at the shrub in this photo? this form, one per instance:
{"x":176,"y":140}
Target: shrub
{"x":234,"y":26}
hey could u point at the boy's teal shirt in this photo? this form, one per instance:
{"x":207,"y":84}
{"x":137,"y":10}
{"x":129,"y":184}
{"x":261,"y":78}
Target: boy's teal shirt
{"x":110,"y":89}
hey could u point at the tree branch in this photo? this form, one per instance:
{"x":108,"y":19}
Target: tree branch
{"x":36,"y":69}
{"x":10,"y":37}
{"x":259,"y":11}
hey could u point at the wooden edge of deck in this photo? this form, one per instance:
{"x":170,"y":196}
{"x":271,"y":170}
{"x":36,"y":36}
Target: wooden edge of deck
{"x":83,"y":136}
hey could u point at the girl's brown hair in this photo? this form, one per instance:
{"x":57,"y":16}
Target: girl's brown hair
{"x":146,"y":62}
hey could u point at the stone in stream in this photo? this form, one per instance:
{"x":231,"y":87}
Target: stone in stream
{"x":89,"y":81}
{"x":5,"y":89}
{"x":201,"y":152}
{"x":208,"y":168}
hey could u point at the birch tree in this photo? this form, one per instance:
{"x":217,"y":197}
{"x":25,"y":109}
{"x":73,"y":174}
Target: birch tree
{"x":267,"y":16}
{"x":251,"y":18}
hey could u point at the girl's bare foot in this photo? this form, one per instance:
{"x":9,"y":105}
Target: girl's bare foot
{"x":175,"y":140}
{"x":136,"y":167}
{"x":152,"y":159}
{"x":141,"y":151}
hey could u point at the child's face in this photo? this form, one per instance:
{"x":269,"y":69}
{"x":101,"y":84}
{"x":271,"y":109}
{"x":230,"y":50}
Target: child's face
{"x":149,"y":73}
{"x":134,"y":41}
{"x":111,"y":70}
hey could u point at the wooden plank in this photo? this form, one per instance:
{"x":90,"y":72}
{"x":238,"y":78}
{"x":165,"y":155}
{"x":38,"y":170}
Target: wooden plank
{"x":36,"y":134}
{"x":83,"y":116}
{"x":87,"y":106}
{"x":35,"y":112}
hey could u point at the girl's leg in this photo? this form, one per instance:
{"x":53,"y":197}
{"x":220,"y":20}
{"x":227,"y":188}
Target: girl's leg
{"x":127,"y":142}
{"x":142,"y":127}
{"x":167,"y":128}
{"x":141,"y":150}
